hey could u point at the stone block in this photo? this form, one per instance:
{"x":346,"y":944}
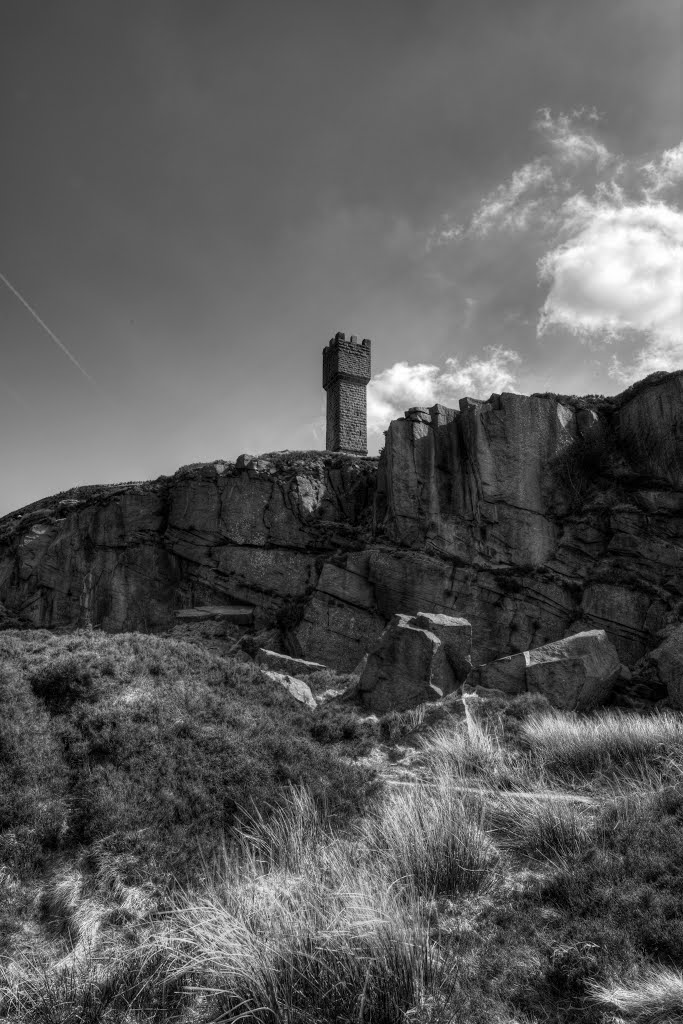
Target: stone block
{"x":407,"y":666}
{"x":297,"y":688}
{"x":456,"y":637}
{"x":242,"y":615}
{"x":576,"y":673}
{"x":505,"y":674}
{"x":668,"y":662}
{"x":283,"y":663}
{"x":419,"y":414}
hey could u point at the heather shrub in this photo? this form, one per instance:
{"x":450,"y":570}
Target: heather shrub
{"x":151,"y":747}
{"x":63,"y":682}
{"x":33,"y":778}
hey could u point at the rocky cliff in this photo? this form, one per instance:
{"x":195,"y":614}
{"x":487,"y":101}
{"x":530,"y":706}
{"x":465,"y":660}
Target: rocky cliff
{"x":532,"y":517}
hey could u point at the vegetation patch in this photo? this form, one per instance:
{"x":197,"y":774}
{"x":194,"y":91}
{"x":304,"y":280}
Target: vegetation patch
{"x":148,"y":747}
{"x":520,"y":866}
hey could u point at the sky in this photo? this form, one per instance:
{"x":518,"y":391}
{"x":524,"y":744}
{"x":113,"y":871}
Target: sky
{"x":197,"y":194}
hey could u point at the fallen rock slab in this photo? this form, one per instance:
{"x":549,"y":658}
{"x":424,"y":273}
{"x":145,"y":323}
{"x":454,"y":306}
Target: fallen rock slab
{"x":576,"y":673}
{"x":242,"y":615}
{"x":298,"y":689}
{"x":284,"y":663}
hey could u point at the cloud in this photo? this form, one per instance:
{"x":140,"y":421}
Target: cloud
{"x":511,"y":206}
{"x":619,"y":270}
{"x":568,"y":142}
{"x":449,"y":231}
{"x":664,"y":173}
{"x":404,"y":385}
{"x":533,"y":192}
{"x":612,"y":230}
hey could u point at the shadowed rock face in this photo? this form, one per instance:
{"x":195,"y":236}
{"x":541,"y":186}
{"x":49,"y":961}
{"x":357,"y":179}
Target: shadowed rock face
{"x":531,"y":517}
{"x":666,"y":662}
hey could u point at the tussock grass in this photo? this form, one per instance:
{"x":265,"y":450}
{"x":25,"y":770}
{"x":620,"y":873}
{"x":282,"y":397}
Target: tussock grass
{"x":114,"y":984}
{"x":308,"y":930}
{"x":545,"y":828}
{"x":611,"y":743}
{"x":287,"y":838}
{"x":656,"y":998}
{"x":301,"y":948}
{"x":463,"y":750}
{"x":428,"y":836}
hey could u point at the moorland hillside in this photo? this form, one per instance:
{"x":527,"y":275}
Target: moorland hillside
{"x":182,"y":842}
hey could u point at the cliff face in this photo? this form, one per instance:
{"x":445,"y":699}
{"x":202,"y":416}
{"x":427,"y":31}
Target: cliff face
{"x":530,"y":516}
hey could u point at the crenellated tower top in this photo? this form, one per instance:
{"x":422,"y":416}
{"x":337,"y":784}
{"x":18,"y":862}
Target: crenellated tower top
{"x":346,"y":374}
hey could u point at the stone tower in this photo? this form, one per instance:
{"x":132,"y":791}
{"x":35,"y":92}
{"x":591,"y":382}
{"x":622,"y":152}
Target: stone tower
{"x":346,"y":372}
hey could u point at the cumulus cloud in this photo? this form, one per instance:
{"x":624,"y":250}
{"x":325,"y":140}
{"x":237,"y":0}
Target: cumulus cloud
{"x":619,"y":269}
{"x":404,"y":384}
{"x":613,"y":232}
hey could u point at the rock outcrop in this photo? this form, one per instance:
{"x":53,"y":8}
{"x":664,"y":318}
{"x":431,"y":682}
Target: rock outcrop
{"x":410,"y":664}
{"x":531,"y":517}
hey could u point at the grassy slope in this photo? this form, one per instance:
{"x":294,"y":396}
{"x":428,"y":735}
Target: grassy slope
{"x":529,"y":872}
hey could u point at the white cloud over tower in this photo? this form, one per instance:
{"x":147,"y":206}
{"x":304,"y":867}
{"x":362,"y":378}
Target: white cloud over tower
{"x":404,"y":385}
{"x":612,"y":231}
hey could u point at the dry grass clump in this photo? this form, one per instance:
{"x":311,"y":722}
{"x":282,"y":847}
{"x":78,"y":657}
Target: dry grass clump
{"x":429,"y":837}
{"x":294,"y":925}
{"x":476,"y":753}
{"x":611,"y":743}
{"x":549,"y":827}
{"x":320,"y":947}
{"x":655,"y":998}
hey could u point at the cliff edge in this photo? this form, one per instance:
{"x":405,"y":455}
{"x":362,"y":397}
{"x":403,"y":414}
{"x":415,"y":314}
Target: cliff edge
{"x":531,"y":516}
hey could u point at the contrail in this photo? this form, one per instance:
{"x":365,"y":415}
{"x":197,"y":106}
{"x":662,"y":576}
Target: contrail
{"x":42,"y":323}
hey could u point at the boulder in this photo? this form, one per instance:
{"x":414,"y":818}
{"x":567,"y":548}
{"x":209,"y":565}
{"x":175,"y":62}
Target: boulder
{"x":407,"y":666}
{"x":576,"y":673}
{"x":298,"y":689}
{"x":290,"y":666}
{"x":505,"y":674}
{"x":456,"y":638}
{"x":668,"y":663}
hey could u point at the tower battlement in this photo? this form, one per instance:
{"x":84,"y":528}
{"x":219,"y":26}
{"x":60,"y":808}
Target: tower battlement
{"x":346,"y":373}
